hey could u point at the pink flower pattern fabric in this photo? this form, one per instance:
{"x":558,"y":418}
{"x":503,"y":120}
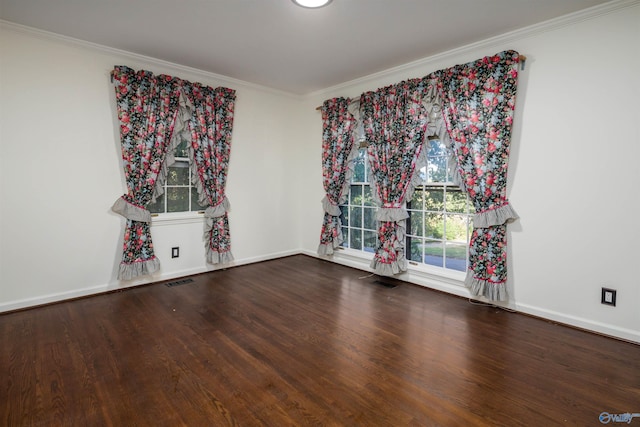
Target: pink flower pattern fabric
{"x":477,"y":101}
{"x":147,"y":106}
{"x":338,"y":126}
{"x":478,"y":106}
{"x":210,"y":128}
{"x":395,"y":123}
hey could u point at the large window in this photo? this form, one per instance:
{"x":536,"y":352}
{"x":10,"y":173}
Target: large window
{"x":180,"y":195}
{"x":440,"y":215}
{"x":358,"y":213}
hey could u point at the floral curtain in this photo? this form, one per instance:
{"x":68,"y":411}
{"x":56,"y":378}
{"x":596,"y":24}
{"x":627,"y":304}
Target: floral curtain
{"x":156,"y":113}
{"x":478,"y":101}
{"x":338,"y":153}
{"x":147,"y":108}
{"x":210,"y":127}
{"x":395,"y":123}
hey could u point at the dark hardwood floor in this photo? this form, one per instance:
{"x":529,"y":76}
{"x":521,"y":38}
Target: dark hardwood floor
{"x":301,"y":341}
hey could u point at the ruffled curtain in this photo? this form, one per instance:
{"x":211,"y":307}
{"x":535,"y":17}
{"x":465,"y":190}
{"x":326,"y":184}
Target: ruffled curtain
{"x":156,"y":113}
{"x":210,"y":127}
{"x":147,"y":107}
{"x":395,"y":123}
{"x":478,"y":101}
{"x":338,"y":154}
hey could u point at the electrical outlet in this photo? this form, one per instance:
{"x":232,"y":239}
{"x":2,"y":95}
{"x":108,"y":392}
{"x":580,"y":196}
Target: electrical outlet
{"x":608,"y":296}
{"x":175,"y":252}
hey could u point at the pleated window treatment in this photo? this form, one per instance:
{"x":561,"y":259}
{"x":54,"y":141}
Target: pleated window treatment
{"x":470,"y":108}
{"x":156,"y":113}
{"x":478,"y":103}
{"x":395,"y":124}
{"x":338,"y":152}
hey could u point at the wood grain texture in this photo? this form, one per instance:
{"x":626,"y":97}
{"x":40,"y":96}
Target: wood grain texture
{"x":300,"y":341}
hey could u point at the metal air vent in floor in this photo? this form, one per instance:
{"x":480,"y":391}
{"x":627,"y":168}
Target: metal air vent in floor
{"x":179,"y":282}
{"x":387,"y":283}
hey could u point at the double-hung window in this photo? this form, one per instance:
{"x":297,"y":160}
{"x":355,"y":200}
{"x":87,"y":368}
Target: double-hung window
{"x":179,"y":195}
{"x":440,"y":215}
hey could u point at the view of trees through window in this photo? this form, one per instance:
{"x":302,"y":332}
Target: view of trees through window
{"x":179,"y":194}
{"x":440,"y":215}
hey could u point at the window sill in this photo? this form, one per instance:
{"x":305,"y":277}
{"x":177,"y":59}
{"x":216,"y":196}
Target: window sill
{"x":177,"y":218}
{"x":450,"y":281}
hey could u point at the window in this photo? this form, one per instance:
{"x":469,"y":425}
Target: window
{"x":359,"y":229}
{"x":180,"y":195}
{"x":440,"y":215}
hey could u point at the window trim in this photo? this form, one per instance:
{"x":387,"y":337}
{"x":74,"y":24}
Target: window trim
{"x":421,"y":274}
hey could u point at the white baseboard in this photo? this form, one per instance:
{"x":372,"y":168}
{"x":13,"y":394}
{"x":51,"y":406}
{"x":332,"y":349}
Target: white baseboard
{"x":116,"y":285}
{"x":457,"y":288}
{"x":582,"y":323}
{"x":449,"y":286}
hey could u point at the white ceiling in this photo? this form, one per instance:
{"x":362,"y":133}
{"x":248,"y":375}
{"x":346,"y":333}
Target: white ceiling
{"x":277,"y":44}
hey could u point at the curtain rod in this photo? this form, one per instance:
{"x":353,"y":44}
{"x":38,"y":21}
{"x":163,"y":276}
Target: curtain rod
{"x":521,"y":58}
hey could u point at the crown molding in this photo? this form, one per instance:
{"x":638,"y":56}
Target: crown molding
{"x":510,"y":37}
{"x":221,"y":79}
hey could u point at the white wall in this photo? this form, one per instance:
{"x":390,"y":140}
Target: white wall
{"x":60,"y":172}
{"x":573,"y":168}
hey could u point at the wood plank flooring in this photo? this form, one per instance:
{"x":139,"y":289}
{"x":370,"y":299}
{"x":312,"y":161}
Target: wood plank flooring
{"x":300,"y":341}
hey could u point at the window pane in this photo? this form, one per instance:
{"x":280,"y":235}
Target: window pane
{"x":415,"y":246}
{"x":436,"y":148}
{"x":370,"y":241}
{"x":437,"y":169}
{"x":355,"y":239}
{"x":472,"y":209}
{"x":182,"y":150}
{"x":358,"y":168}
{"x":178,"y":174}
{"x":456,"y":201}
{"x":434,"y":200}
{"x":195,"y":206}
{"x":457,"y":228}
{"x":433,"y":253}
{"x":344,"y":217}
{"x":355,"y":217}
{"x":177,"y":199}
{"x":356,"y":195}
{"x":370,"y":218}
{"x":423,"y":174}
{"x":345,"y":237}
{"x":456,"y":256}
{"x":158,"y":206}
{"x":417,"y":199}
{"x":416,"y":222}
{"x":434,"y":226}
{"x":437,"y":157}
{"x":368,"y":197}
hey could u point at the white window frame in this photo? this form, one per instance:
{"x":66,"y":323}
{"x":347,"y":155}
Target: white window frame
{"x":180,"y":216}
{"x":424,"y":271}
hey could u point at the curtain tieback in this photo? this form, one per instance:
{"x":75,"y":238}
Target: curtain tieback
{"x":330,"y":207}
{"x":218,"y":210}
{"x":388,"y":212}
{"x":130,"y":211}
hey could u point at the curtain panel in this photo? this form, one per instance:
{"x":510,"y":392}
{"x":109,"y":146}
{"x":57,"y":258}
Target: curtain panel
{"x":156,"y":113}
{"x":394,"y":119}
{"x":210,"y":126}
{"x":478,"y":102}
{"x":147,"y":108}
{"x":470,"y":108}
{"x":338,"y":154}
